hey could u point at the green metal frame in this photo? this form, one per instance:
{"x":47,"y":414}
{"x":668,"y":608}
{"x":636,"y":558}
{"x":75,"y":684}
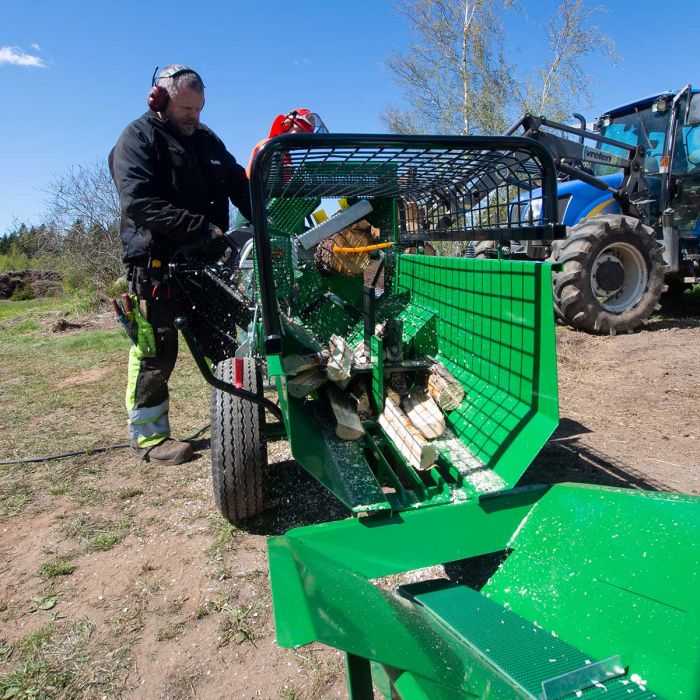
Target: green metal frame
{"x":593,"y":573}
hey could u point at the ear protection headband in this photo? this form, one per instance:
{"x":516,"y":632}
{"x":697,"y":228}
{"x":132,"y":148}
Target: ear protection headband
{"x":158,"y":97}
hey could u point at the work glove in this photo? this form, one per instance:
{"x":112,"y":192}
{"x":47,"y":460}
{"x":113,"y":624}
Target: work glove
{"x":215,"y":232}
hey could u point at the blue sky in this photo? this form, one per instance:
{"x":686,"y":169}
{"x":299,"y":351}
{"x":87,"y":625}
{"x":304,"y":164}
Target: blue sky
{"x":257,"y":59}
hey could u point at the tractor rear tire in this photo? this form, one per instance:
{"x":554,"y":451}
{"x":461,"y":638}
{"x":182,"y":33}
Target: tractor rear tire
{"x":612,"y":275}
{"x":238,"y":446}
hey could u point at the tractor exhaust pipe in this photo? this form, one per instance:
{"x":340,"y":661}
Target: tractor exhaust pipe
{"x":671,"y":241}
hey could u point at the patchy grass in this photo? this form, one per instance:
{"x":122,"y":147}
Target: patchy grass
{"x":98,"y":534}
{"x":130,"y":492}
{"x":170,"y":631}
{"x":57,"y":661}
{"x":63,"y":566}
{"x":60,"y":489}
{"x":211,"y":606}
{"x":241,"y":624}
{"x":223,"y":534}
{"x":14,"y":497}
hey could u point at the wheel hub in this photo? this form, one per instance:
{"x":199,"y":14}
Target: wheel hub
{"x":609,"y":275}
{"x":619,"y":276}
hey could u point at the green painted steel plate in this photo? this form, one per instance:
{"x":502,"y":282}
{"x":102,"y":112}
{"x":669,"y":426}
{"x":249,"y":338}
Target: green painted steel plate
{"x":519,"y":648}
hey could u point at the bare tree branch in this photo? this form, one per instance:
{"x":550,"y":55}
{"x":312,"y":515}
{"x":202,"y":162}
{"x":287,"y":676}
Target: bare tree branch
{"x":457,"y":77}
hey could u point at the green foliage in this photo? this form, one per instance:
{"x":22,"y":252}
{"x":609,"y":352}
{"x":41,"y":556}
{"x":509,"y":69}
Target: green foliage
{"x":62,"y":566}
{"x":23,"y":293}
{"x":14,"y":260}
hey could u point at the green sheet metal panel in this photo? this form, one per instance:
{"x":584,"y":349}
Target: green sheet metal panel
{"x":495,"y":333}
{"x":613,"y":571}
{"x":288,"y":214}
{"x":339,"y":465}
{"x":517,"y":648}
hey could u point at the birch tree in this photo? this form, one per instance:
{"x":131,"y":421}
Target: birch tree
{"x":460,"y":76}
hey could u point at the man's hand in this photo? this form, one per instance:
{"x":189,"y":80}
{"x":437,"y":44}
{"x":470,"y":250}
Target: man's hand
{"x":215,"y":232}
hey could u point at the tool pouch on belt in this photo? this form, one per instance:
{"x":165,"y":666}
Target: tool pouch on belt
{"x":145,"y":339}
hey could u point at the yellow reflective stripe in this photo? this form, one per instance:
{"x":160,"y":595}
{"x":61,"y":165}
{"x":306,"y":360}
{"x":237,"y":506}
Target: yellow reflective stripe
{"x":152,"y":440}
{"x":598,"y":208}
{"x":135,"y":357}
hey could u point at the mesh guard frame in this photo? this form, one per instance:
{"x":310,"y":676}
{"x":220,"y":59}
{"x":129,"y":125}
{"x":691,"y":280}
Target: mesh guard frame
{"x":445,"y":187}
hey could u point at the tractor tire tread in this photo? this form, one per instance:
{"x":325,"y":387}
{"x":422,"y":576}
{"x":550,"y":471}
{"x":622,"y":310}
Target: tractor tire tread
{"x":574,"y":301}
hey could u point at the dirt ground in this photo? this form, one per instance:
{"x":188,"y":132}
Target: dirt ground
{"x":119,"y":579}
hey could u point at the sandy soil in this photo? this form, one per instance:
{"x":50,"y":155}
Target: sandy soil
{"x":179,"y":605}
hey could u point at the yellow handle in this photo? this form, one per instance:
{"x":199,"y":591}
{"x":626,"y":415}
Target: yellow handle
{"x":361,"y":249}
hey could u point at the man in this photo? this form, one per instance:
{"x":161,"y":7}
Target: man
{"x":174,"y":177}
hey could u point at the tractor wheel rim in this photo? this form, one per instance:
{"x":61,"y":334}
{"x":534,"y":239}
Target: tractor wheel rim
{"x":630,"y":289}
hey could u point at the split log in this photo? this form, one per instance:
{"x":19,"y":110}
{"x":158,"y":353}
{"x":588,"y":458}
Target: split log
{"x":306,"y":382}
{"x":424,"y":413}
{"x":340,"y":363}
{"x":419,"y":453}
{"x":349,"y":425}
{"x":444,"y":388}
{"x":295,"y":364}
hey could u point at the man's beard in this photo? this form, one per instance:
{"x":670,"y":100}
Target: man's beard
{"x":186,"y":129}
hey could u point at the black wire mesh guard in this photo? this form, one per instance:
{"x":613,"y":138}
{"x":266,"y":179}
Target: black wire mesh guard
{"x":445,"y":188}
{"x":442,"y":188}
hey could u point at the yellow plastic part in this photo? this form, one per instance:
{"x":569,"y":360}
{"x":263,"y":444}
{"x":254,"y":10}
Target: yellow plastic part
{"x":320,"y":216}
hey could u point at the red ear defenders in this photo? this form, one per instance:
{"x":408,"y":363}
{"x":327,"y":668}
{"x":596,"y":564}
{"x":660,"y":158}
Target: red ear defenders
{"x":158,"y":97}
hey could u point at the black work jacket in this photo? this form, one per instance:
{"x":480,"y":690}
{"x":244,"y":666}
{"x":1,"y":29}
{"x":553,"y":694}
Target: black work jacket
{"x":171,"y":187}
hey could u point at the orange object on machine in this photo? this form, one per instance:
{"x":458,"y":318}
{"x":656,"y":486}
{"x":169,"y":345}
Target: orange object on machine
{"x":362,"y":248}
{"x":299,"y":120}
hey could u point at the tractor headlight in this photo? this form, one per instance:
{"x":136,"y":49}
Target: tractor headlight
{"x":532,"y":212}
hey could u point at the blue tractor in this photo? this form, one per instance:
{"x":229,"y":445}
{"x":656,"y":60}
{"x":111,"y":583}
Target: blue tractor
{"x":629,"y":194}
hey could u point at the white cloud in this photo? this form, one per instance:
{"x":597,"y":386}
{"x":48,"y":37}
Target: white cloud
{"x":16,"y":57}
{"x":36,"y":47}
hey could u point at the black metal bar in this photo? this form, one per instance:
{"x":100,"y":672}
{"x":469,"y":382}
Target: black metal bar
{"x":359,"y":677}
{"x":370,"y":316}
{"x":586,"y":177}
{"x":182,"y":325}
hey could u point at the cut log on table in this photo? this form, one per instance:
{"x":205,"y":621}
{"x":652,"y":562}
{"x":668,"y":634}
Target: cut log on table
{"x":306,"y":382}
{"x":359,"y":234}
{"x":424,"y":413}
{"x":444,"y":388}
{"x":340,"y":363}
{"x":360,"y":397}
{"x":419,"y":453}
{"x":349,"y":425}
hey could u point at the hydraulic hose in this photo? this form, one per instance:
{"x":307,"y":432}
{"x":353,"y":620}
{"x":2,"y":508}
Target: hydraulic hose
{"x":91,"y":451}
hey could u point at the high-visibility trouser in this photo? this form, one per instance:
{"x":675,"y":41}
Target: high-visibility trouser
{"x":147,"y":385}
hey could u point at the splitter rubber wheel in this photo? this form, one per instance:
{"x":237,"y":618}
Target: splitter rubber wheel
{"x":238,"y":446}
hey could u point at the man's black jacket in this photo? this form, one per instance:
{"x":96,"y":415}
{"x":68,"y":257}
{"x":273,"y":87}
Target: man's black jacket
{"x":171,"y":187}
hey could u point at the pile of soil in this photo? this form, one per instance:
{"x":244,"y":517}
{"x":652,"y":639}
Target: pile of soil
{"x":41,"y":283}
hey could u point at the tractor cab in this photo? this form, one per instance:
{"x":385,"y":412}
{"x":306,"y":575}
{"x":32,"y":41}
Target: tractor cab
{"x":665,"y":125}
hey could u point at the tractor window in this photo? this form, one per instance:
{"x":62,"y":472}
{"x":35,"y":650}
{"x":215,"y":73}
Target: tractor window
{"x":686,"y":158}
{"x":641,"y":126}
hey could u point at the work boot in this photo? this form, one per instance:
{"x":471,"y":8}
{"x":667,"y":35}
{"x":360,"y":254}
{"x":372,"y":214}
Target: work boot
{"x":170,"y":451}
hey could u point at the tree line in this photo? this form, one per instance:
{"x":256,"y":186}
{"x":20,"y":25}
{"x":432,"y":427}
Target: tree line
{"x":80,"y":234}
